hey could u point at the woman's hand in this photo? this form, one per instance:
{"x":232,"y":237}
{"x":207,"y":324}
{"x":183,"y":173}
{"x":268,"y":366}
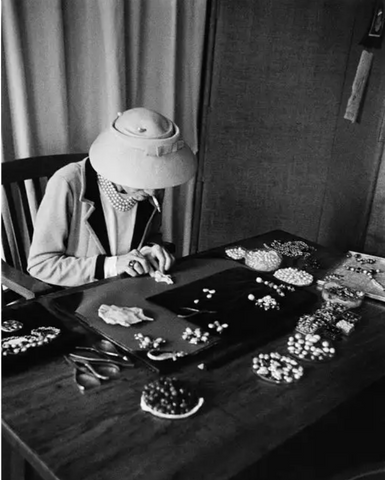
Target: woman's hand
{"x":133,"y":263}
{"x":159,"y":258}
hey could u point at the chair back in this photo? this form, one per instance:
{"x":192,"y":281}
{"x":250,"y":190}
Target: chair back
{"x":23,"y":185}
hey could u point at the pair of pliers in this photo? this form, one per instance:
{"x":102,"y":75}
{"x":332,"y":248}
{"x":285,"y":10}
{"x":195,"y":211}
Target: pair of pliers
{"x":89,"y":375}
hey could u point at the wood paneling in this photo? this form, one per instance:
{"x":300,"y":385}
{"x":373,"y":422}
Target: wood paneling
{"x":276,"y":142}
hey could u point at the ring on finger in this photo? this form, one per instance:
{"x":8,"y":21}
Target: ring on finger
{"x":132,"y":263}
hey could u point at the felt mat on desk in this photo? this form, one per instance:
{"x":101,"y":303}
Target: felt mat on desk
{"x":232,"y":306}
{"x":31,"y":317}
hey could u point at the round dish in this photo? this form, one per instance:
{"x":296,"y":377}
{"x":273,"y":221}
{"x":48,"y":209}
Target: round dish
{"x":310,"y":348}
{"x":169,"y":398}
{"x":276,"y":368}
{"x":337,"y":293}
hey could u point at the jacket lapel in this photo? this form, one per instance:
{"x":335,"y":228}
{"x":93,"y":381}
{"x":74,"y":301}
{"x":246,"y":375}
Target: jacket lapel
{"x":96,"y":218}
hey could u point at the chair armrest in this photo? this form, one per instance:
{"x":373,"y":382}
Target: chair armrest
{"x":22,"y":283}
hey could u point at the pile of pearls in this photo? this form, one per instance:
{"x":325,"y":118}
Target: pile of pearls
{"x":236,"y":253}
{"x":147,"y":343}
{"x":310,"y":347}
{"x":277,"y":368}
{"x":219,"y":327}
{"x":294,"y":276}
{"x":263,"y":260}
{"x":195,"y":336}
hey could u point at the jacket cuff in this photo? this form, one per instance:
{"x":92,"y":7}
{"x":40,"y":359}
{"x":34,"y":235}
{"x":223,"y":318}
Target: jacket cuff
{"x":99,"y":267}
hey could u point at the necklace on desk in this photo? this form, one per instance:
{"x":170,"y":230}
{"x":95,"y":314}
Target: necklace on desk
{"x":114,"y":197}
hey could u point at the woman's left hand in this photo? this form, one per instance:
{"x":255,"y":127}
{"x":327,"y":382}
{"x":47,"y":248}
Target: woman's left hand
{"x":159,"y":257}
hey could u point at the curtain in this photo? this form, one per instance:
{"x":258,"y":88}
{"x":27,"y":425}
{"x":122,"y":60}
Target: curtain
{"x":70,"y":65}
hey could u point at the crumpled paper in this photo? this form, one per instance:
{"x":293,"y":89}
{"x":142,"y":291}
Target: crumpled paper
{"x":125,"y":316}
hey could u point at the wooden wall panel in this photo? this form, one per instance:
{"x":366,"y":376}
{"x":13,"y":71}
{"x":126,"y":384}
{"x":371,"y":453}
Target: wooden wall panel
{"x":278,"y":82}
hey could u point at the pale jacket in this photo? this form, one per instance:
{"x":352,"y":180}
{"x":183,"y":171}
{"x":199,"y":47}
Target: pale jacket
{"x":70,"y":240}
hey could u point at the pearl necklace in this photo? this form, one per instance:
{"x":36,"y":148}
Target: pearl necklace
{"x":116,"y":200}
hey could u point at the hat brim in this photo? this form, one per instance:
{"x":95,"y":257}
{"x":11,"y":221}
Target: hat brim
{"x":115,"y":161}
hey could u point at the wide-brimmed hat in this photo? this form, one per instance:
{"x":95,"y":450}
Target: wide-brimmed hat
{"x":143,"y":149}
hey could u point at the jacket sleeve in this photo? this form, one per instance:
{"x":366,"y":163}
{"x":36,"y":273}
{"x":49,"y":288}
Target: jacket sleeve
{"x":48,"y":260}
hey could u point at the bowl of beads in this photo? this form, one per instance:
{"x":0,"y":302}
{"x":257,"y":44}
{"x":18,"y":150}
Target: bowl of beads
{"x":170,"y":398}
{"x":336,"y":293}
{"x":276,"y":368}
{"x":263,"y":259}
{"x":294,"y":276}
{"x":310,"y":348}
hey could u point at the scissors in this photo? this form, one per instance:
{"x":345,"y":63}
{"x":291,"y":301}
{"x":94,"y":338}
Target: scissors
{"x":103,"y":352}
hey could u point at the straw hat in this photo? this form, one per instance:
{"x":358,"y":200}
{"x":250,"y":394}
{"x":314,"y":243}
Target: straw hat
{"x":143,"y":149}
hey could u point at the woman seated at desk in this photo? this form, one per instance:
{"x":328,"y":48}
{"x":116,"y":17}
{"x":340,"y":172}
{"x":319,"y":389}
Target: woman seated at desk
{"x":101,"y":217}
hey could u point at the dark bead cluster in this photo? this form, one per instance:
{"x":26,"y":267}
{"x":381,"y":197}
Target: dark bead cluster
{"x":358,"y":258}
{"x":294,"y":248}
{"x":345,"y":293}
{"x":169,"y":395}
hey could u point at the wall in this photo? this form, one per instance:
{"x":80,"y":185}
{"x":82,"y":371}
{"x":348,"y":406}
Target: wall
{"x":278,"y":153}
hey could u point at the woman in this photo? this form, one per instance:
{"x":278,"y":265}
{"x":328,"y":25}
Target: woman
{"x":101,"y":217}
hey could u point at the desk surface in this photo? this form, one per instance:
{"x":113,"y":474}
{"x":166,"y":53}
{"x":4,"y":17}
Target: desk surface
{"x":103,"y":434}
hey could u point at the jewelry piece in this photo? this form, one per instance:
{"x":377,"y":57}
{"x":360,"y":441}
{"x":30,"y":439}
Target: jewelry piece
{"x":218,"y":326}
{"x":236,"y":253}
{"x":46,"y":332}
{"x":267,"y":303}
{"x":10,"y":326}
{"x":116,"y":200}
{"x":209,"y":293}
{"x":277,"y":368}
{"x":358,"y":258}
{"x":278,"y":288}
{"x":333,"y":276}
{"x":294,"y":248}
{"x":345,"y":327}
{"x":264,"y":260}
{"x":294,"y":276}
{"x":147,"y":343}
{"x":195,"y":336}
{"x":310,"y":347}
{"x":161,"y":355}
{"x":131,"y":263}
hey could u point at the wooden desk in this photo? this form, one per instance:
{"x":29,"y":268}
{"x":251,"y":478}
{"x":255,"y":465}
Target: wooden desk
{"x":104,"y":434}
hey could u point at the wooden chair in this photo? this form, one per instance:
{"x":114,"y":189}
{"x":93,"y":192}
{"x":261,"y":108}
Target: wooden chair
{"x":24,"y":183}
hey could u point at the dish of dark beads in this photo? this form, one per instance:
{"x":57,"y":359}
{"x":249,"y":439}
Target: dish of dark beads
{"x":170,"y":396}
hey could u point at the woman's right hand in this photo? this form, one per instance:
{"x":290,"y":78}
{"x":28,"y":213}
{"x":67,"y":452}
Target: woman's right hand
{"x":133,"y":263}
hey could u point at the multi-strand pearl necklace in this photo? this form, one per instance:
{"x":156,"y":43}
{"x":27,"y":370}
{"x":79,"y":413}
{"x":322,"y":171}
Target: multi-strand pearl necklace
{"x":116,"y":200}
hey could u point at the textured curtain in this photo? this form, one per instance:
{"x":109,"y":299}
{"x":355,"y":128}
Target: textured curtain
{"x":70,"y":65}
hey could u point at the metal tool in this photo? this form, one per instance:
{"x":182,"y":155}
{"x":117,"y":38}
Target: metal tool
{"x":103,"y":351}
{"x":83,"y":379}
{"x":103,"y":369}
{"x":194,"y":311}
